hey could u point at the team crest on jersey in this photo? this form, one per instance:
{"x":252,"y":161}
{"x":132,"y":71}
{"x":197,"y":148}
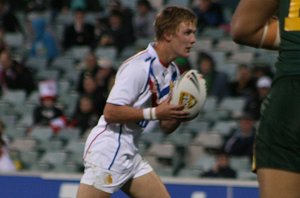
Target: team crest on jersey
{"x":187,"y":100}
{"x":108,"y":179}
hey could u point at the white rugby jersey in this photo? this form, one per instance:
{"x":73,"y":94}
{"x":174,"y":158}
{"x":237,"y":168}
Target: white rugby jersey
{"x":141,"y":82}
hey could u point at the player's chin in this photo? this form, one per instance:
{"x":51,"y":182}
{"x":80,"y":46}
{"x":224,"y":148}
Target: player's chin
{"x":186,"y":53}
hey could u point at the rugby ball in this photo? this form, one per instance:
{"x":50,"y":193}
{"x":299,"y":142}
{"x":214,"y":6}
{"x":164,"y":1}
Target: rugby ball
{"x":189,"y":90}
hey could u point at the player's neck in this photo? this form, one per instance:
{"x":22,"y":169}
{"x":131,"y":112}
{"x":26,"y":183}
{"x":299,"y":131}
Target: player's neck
{"x":164,"y":54}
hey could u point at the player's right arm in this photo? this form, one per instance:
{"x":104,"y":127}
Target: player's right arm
{"x":253,"y":23}
{"x":124,"y":113}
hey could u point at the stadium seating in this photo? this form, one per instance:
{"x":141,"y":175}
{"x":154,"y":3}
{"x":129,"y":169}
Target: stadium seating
{"x":47,"y":74}
{"x":204,"y":162}
{"x":14,"y":97}
{"x":178,"y":2}
{"x":14,"y":132}
{"x":64,"y":64}
{"x":189,"y":172}
{"x":36,"y":63}
{"x":241,"y":163}
{"x":179,"y":138}
{"x":193,"y":152}
{"x":51,"y":160}
{"x":79,"y":52}
{"x":29,"y":159}
{"x":74,"y":150}
{"x":106,"y":52}
{"x":209,"y":140}
{"x":41,"y":133}
{"x":23,"y":144}
{"x":203,"y":44}
{"x":68,"y":134}
{"x":9,"y":119}
{"x":224,"y":127}
{"x":227,"y":45}
{"x":14,"y":40}
{"x":233,"y":104}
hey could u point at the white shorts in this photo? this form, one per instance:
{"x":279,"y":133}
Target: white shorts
{"x":111,"y":181}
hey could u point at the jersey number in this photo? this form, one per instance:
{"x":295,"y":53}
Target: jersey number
{"x":292,"y":22}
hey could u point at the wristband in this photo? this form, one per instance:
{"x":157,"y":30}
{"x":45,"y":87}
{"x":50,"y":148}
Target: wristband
{"x":147,"y":114}
{"x":266,"y":27}
{"x":270,"y":36}
{"x":153,"y":113}
{"x":277,"y":39}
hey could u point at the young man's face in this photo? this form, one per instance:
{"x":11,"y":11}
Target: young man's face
{"x":184,"y":39}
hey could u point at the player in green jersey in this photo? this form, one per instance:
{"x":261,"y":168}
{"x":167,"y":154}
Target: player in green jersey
{"x":277,"y":144}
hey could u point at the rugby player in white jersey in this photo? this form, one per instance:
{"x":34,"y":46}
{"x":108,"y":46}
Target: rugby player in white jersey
{"x":141,"y":93}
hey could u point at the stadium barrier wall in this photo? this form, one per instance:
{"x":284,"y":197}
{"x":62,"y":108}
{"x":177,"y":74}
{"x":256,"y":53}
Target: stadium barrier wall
{"x":37,"y":185}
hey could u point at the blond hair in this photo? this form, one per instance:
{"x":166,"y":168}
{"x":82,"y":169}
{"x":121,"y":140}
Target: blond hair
{"x":169,"y":19}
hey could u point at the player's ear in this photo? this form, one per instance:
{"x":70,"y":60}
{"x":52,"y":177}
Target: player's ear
{"x":168,"y":36}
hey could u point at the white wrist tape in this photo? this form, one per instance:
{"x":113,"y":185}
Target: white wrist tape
{"x":266,"y":27}
{"x":271,"y":35}
{"x":147,"y":113}
{"x":277,"y":40}
{"x":153,"y":113}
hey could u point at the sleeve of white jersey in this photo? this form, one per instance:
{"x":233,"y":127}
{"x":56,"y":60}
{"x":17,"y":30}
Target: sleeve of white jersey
{"x":130,"y":82}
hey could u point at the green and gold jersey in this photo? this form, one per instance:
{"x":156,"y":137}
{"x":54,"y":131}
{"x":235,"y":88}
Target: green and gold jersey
{"x":289,"y":54}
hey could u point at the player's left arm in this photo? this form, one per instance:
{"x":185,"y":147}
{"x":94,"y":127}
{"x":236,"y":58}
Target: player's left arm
{"x":168,"y":126}
{"x":169,"y":116}
{"x":253,"y":24}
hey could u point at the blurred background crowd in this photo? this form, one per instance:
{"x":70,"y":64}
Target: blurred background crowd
{"x":58,"y":60}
